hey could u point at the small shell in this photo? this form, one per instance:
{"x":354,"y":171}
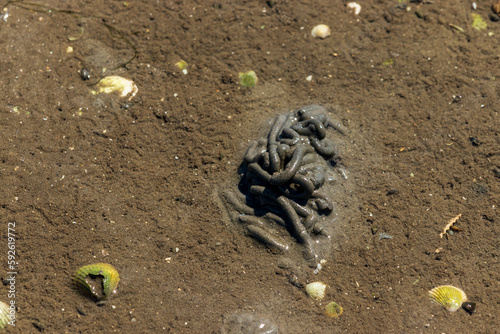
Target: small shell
{"x":356,"y":6}
{"x":448,"y":296}
{"x":4,"y":315}
{"x":321,"y":31}
{"x":116,"y":84}
{"x":333,"y":310}
{"x":316,"y":290}
{"x":99,"y":280}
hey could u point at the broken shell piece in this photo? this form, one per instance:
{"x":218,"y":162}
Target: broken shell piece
{"x":98,"y":280}
{"x":183,"y":66}
{"x":116,"y":84}
{"x":355,"y":6}
{"x":248,"y":79}
{"x":316,"y":290}
{"x":321,"y":31}
{"x":448,"y":296}
{"x":4,"y":315}
{"x":333,"y":310}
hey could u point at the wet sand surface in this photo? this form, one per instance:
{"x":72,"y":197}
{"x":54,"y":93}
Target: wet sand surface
{"x":135,"y":181}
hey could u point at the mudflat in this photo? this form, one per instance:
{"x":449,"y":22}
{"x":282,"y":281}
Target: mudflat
{"x":135,"y":181}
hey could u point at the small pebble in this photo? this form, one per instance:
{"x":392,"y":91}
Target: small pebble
{"x":494,"y":17}
{"x":84,"y":74}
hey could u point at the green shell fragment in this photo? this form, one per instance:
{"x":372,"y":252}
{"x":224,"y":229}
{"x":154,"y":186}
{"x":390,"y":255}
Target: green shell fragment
{"x":478,"y":22}
{"x":98,"y":280}
{"x":333,"y":310}
{"x":182,"y":64}
{"x":248,"y":79}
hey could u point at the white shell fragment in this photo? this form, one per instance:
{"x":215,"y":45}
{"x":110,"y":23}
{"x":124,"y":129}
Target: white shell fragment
{"x":321,"y":31}
{"x":355,"y":6}
{"x":116,"y":84}
{"x":316,"y":290}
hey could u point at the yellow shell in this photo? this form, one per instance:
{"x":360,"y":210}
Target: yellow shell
{"x":333,"y":310}
{"x":4,"y":315}
{"x":448,"y":296}
{"x":99,"y":280}
{"x":316,"y":290}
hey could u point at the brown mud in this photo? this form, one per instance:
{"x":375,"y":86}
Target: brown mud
{"x":134,"y":183}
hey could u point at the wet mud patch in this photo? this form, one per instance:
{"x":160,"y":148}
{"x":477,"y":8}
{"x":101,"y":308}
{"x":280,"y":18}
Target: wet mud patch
{"x":290,"y":185}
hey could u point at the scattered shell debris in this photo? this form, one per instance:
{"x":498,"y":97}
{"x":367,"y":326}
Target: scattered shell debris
{"x":321,"y":31}
{"x":448,"y":226}
{"x":116,"y":84}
